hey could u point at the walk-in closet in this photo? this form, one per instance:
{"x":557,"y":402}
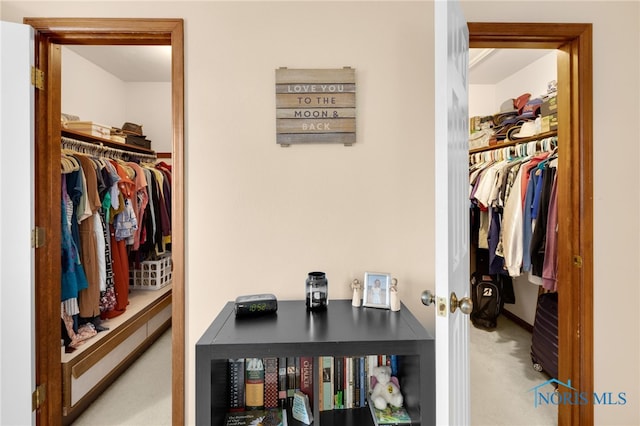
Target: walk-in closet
{"x":513,"y":215}
{"x":116,"y":175}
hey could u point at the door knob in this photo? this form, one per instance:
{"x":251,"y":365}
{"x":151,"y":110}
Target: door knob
{"x":465,"y":304}
{"x":427,"y":298}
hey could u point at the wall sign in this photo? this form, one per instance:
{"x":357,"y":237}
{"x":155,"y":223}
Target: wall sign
{"x":315,"y":106}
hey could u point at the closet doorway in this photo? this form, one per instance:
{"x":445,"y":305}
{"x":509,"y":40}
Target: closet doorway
{"x":575,"y":188}
{"x":51,"y":33}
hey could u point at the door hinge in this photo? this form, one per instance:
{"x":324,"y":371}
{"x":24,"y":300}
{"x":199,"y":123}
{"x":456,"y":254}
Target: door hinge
{"x":577,"y":261}
{"x":38,"y":396}
{"x":37,"y":78}
{"x":37,"y":237}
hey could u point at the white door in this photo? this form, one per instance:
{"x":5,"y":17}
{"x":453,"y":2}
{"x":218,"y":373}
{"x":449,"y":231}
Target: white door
{"x":17,"y":334}
{"x":452,"y":213}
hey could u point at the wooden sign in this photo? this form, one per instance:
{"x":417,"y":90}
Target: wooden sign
{"x":315,"y":106}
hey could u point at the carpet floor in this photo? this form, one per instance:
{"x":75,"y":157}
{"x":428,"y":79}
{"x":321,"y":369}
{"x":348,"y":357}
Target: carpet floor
{"x":502,"y":379}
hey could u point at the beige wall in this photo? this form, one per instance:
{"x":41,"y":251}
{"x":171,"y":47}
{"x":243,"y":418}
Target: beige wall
{"x":259,"y":216}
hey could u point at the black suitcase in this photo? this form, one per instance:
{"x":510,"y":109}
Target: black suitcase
{"x":544,"y":341}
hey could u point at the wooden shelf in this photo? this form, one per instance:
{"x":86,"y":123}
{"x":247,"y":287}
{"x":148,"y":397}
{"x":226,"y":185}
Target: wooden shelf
{"x":105,"y":142}
{"x":507,"y":143}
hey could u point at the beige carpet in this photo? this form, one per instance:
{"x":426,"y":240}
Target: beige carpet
{"x":141,"y":396}
{"x":501,"y":377}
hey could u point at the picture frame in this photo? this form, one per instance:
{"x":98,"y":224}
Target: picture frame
{"x":377,"y":290}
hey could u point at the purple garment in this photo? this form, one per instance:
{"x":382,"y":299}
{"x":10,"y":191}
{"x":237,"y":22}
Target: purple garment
{"x":527,"y":222}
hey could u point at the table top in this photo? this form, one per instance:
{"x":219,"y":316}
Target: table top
{"x":292,"y":325}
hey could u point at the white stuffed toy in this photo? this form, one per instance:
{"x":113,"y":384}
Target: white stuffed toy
{"x":385,"y":390}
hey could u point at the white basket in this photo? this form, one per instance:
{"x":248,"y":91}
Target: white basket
{"x":152,"y":275}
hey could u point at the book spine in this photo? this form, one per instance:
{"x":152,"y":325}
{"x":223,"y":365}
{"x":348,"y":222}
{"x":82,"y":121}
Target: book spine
{"x":282,"y":382}
{"x":270,"y":382}
{"x":338,"y":382}
{"x":236,"y":384}
{"x":356,"y":382}
{"x":327,"y":382}
{"x":306,"y":377}
{"x":291,"y":380}
{"x":363,"y":381}
{"x":254,"y":383}
{"x":371,"y":364}
{"x":350,"y":387}
{"x":394,"y":365}
{"x":298,"y":375}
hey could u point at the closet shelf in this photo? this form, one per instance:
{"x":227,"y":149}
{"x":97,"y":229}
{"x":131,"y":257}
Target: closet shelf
{"x":105,"y":142}
{"x":514,"y":142}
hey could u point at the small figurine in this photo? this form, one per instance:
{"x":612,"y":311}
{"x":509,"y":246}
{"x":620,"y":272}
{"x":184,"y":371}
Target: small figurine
{"x":394,"y":299}
{"x":357,"y":293}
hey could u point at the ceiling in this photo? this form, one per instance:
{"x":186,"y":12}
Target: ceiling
{"x":153,"y":63}
{"x":130,"y":63}
{"x":491,"y":66}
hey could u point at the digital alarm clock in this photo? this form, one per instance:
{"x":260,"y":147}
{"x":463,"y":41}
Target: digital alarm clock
{"x":256,"y":304}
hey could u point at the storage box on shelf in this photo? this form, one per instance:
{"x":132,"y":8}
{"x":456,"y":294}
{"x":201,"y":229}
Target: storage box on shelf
{"x":151,"y":274}
{"x":342,"y":330}
{"x":89,"y":128}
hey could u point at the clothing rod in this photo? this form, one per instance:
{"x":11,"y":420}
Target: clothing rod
{"x":101,"y":150}
{"x":507,"y":143}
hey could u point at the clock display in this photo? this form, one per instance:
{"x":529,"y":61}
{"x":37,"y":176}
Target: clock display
{"x":256,"y":304}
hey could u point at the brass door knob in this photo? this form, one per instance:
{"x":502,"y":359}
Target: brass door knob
{"x":465,"y":304}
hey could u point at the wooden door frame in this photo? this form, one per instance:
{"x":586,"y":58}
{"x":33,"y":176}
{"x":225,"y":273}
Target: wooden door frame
{"x":575,"y":190}
{"x":50,"y":34}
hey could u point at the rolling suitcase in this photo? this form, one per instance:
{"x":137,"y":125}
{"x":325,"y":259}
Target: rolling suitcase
{"x":544,"y":340}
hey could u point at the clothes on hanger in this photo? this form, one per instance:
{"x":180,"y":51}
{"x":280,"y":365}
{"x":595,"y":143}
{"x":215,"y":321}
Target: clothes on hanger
{"x":108,"y":197}
{"x":512,"y":193}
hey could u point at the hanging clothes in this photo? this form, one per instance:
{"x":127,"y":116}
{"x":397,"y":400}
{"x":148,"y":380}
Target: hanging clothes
{"x":512,"y":191}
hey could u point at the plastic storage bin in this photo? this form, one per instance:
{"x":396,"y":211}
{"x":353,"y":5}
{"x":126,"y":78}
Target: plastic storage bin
{"x":152,"y":275}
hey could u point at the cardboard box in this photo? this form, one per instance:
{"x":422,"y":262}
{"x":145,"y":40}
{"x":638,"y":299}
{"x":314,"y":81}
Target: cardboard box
{"x":549,"y":123}
{"x":549,"y":106}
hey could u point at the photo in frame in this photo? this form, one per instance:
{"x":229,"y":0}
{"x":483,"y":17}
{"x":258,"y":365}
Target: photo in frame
{"x":377,"y":290}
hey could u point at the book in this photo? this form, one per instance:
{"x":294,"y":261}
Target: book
{"x":389,"y":416}
{"x":356,"y":382}
{"x":235,"y":369}
{"x":327,"y":383}
{"x":291,"y":380}
{"x":254,"y":383}
{"x":282,"y":382}
{"x":271,"y":417}
{"x":363,"y":385}
{"x":306,"y":377}
{"x":372,"y":362}
{"x":338,"y":382}
{"x":270,"y":382}
{"x":394,"y":365}
{"x":350,"y":383}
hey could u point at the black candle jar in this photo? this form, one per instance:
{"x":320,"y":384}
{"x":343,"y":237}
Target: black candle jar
{"x":317,"y":291}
